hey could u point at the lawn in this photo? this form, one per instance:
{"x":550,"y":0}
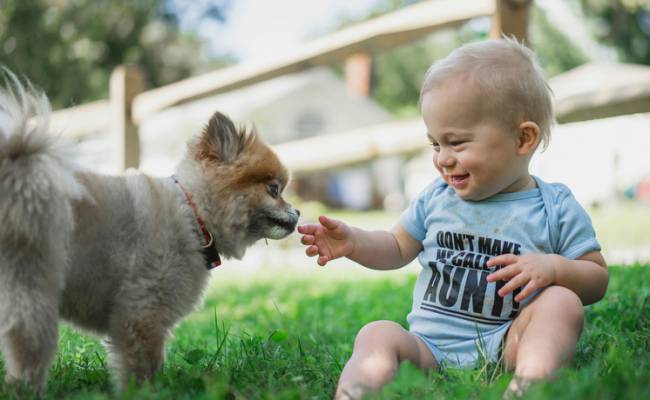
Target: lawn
{"x":290,"y":339}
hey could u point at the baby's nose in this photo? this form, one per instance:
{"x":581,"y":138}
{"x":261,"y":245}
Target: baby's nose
{"x":445,"y":158}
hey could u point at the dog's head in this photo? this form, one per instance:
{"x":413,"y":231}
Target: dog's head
{"x":242,"y":182}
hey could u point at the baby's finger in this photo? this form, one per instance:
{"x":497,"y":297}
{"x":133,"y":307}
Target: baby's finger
{"x":526,"y":291}
{"x":308,"y":229}
{"x":514,"y":283}
{"x":311,"y":251}
{"x":328,"y":223}
{"x":307,"y":239}
{"x":504,"y":274}
{"x":322,"y":260}
{"x":504,"y":259}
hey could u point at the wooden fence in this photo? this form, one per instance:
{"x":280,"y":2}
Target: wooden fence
{"x":129,"y":104}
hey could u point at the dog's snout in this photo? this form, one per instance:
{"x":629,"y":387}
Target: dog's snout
{"x":293,"y":212}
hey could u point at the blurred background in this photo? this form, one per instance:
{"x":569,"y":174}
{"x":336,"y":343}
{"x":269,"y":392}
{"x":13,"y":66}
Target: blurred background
{"x":334,"y":86}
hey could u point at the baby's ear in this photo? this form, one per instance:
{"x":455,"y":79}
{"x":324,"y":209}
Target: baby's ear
{"x":529,"y":138}
{"x":221,"y":141}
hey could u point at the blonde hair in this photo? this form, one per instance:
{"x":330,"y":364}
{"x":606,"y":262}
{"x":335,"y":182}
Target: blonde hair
{"x":507,"y":75}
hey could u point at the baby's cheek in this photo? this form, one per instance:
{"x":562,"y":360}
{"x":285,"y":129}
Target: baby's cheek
{"x":435,"y":162}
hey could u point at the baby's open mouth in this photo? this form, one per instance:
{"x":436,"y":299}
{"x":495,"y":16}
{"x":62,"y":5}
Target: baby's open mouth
{"x":458,"y":181}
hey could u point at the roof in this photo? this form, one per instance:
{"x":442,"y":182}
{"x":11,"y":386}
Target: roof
{"x":601,"y":90}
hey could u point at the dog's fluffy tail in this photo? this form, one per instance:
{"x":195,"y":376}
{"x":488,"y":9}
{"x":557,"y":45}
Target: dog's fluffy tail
{"x":36,"y":184}
{"x":36,"y":222}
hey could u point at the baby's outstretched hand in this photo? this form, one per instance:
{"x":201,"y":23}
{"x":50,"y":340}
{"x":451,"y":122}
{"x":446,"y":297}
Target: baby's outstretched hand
{"x":529,"y":272}
{"x":329,"y":239}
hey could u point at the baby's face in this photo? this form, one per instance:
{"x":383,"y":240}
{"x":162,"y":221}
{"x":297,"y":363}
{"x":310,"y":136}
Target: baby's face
{"x":475,"y":155}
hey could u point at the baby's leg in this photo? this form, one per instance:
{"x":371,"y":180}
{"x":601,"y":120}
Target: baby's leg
{"x":379,"y":348}
{"x":543,"y":337}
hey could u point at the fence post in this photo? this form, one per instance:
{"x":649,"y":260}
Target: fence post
{"x":358,"y":74}
{"x":126,"y":83}
{"x":511,"y":18}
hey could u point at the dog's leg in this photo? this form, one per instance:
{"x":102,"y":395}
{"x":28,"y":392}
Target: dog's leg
{"x":137,"y":348}
{"x":29,"y":344}
{"x":30,"y":286}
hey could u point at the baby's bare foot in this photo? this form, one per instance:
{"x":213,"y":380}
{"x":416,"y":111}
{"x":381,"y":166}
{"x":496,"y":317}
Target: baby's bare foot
{"x":517,"y":388}
{"x":354,"y":392}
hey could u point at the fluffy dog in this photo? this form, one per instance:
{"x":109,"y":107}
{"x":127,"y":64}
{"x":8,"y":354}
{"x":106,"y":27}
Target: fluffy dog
{"x":121,"y":256}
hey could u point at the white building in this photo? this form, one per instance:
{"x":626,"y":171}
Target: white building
{"x":310,"y":103}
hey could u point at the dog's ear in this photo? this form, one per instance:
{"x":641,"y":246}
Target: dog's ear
{"x":221,"y":141}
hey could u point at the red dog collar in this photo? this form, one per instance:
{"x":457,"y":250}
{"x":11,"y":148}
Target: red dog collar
{"x":209,"y":249}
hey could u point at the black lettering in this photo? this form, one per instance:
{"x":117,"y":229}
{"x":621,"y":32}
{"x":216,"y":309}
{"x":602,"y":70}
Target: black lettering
{"x":439,"y":239}
{"x":507,"y":247}
{"x":485,"y":260}
{"x":484,"y":245}
{"x":475,"y":286}
{"x":496,"y":248}
{"x":497,"y":307}
{"x":450,"y":288}
{"x":468,"y":261}
{"x":517,"y":250}
{"x":441,"y":254}
{"x":483,"y":263}
{"x":515,"y":304}
{"x":432,"y":289}
{"x":457,"y":260}
{"x":470,"y":241}
{"x":448,"y":240}
{"x":477,"y":261}
{"x":459,"y":239}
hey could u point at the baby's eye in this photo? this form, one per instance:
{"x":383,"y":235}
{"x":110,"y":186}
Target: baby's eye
{"x":456,"y":142}
{"x":436,"y":146}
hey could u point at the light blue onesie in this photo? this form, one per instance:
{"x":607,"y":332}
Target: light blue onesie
{"x":455,"y":310}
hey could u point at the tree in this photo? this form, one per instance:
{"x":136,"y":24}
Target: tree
{"x":398,"y":73}
{"x":623,"y":24}
{"x":555,"y":51}
{"x":69,"y":48}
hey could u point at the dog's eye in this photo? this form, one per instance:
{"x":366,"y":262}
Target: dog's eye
{"x":274,"y":190}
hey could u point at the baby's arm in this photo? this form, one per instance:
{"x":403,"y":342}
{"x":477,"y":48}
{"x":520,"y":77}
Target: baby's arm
{"x":586,"y":276}
{"x":331,"y":239}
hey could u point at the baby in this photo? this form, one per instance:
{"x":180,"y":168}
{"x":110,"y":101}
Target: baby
{"x":508,"y":260}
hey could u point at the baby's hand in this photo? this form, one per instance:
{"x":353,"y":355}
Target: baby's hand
{"x":530,"y":272}
{"x":329,"y":240}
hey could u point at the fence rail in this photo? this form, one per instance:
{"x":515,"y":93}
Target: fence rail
{"x":84,"y":120}
{"x":374,"y":36}
{"x":588,"y":92}
{"x":604,"y":91}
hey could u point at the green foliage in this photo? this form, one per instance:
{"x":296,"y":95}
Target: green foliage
{"x":555,"y":51}
{"x":398,"y":73}
{"x":69,"y":48}
{"x":623,"y":24}
{"x":289,"y":339}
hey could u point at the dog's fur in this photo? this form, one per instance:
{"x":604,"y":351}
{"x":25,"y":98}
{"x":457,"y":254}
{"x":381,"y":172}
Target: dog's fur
{"x":118,"y":255}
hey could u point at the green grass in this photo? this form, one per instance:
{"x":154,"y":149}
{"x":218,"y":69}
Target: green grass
{"x":289,"y":340}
